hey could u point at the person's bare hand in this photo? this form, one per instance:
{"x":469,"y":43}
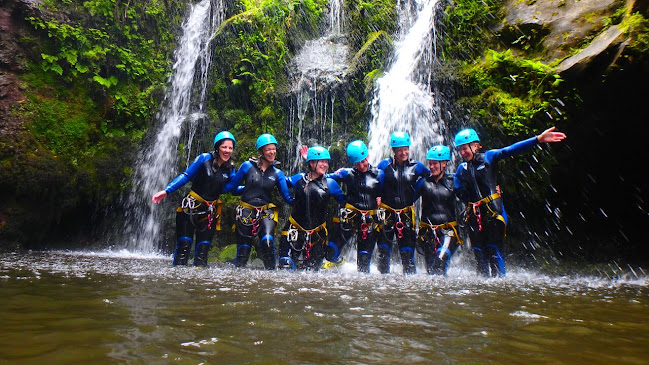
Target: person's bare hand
{"x":550,"y":136}
{"x":159,"y":196}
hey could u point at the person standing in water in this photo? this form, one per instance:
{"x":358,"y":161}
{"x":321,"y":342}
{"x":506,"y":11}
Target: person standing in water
{"x":257,"y":216}
{"x":199,"y":213}
{"x":303,"y":244}
{"x":396,"y":212}
{"x":438,"y":227}
{"x":358,"y":217}
{"x":475,"y":183}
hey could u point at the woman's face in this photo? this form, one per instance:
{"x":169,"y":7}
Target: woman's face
{"x":436,"y":167}
{"x":319,"y":167}
{"x":269,"y":152}
{"x":225,"y":150}
{"x":468,"y":150}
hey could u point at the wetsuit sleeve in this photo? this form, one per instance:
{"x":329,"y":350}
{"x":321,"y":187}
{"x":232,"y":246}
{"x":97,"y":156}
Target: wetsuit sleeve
{"x":291,"y":181}
{"x":336,"y":191}
{"x":422,"y":170}
{"x":282,"y":185}
{"x":458,"y":189}
{"x":417,"y":187}
{"x":339,"y":175}
{"x":236,"y":179}
{"x":492,"y":156}
{"x":186,"y":176}
{"x":381,"y":179}
{"x":383,"y":164}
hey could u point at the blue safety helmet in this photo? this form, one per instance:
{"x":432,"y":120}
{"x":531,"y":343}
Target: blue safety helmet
{"x":317,"y":153}
{"x":399,"y":139}
{"x":224,"y":135}
{"x":265,"y":139}
{"x":466,"y":136}
{"x":439,"y":153}
{"x":356,"y":151}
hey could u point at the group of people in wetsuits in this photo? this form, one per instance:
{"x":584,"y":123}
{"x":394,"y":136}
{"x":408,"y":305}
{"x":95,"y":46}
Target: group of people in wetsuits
{"x":377,"y":210}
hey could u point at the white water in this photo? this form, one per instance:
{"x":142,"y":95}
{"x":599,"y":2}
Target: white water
{"x":320,"y":68}
{"x":403,"y":97}
{"x":181,"y":109}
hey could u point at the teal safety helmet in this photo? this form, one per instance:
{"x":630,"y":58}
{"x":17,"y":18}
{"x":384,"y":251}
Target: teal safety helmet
{"x":317,"y":153}
{"x":265,"y":139}
{"x":356,"y":151}
{"x":224,"y":135}
{"x":439,"y":153}
{"x":399,"y":139}
{"x":466,"y":136}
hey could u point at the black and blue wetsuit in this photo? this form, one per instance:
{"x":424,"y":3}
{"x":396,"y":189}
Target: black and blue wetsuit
{"x":199,"y":213}
{"x":438,"y":227}
{"x":358,"y":216}
{"x":256,"y":214}
{"x":476,"y":186}
{"x":304,"y":238}
{"x":398,"y":212}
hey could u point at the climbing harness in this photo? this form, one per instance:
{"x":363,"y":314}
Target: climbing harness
{"x":293,"y":232}
{"x":192,"y":205}
{"x":349,"y":212}
{"x":255,"y":215}
{"x":399,"y":225}
{"x":474,"y":209}
{"x":434,"y":228}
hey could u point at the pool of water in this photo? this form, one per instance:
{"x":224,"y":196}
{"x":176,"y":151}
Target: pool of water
{"x":108,"y":307}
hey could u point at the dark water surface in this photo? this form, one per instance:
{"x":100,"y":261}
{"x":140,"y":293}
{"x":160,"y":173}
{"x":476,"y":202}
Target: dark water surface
{"x":119,"y":308}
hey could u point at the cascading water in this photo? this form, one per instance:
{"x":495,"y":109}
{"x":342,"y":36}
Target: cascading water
{"x":403,"y":98}
{"x":181,"y":109}
{"x":320,"y":69}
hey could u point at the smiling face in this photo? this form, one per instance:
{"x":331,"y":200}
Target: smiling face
{"x":468,"y":150}
{"x":319,"y":167}
{"x":436,"y":167}
{"x":268,"y":152}
{"x":225,"y":150}
{"x":362,"y":166}
{"x":401,"y":154}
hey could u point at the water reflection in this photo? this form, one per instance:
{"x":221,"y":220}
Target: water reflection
{"x":107,"y":307}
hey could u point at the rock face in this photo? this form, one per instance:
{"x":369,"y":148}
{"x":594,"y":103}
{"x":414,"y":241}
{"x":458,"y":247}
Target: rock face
{"x":559,"y":27}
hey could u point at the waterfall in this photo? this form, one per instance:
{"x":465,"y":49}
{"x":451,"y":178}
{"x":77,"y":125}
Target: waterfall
{"x":403,"y":98}
{"x":318,"y":78}
{"x":180,"y":111}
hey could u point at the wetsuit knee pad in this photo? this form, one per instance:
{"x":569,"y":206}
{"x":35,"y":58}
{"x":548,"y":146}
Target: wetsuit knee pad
{"x":333,"y":252}
{"x":267,"y":241}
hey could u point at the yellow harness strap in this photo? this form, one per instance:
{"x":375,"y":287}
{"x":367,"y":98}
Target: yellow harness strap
{"x":309,"y":231}
{"x":268,"y":206}
{"x":399,"y":211}
{"x":219,"y":207}
{"x":353,"y":208}
{"x":488,"y":200}
{"x":448,"y":225}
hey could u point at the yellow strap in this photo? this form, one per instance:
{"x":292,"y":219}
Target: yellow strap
{"x":488,"y":199}
{"x":271,"y":206}
{"x":367,"y":212}
{"x":310,"y":231}
{"x":406,"y":209}
{"x":219,"y":207}
{"x":452,"y":225}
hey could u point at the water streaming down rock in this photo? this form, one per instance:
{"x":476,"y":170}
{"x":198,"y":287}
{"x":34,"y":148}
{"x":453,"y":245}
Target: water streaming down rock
{"x":180,"y":111}
{"x":318,"y":79}
{"x":403,"y":98}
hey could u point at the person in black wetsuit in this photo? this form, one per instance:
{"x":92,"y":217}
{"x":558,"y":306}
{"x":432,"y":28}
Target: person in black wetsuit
{"x":476,"y":185}
{"x":199,"y":213}
{"x":257,"y":216}
{"x":438,"y":226}
{"x":364,"y":184}
{"x":396,"y":212}
{"x":304,"y":239}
